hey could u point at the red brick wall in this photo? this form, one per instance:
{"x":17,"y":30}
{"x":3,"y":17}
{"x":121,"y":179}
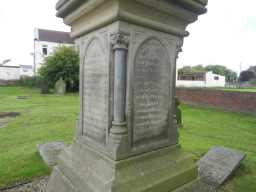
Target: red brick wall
{"x":227,"y":100}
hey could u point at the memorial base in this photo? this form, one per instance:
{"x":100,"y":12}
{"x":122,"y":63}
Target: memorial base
{"x":81,"y":169}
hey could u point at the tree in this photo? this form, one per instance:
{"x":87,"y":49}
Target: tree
{"x":197,"y":68}
{"x":247,"y":76}
{"x":63,"y":63}
{"x":230,"y":75}
{"x":252,"y":68}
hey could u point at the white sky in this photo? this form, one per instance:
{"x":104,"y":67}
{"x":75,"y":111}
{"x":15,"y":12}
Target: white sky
{"x":226,"y":35}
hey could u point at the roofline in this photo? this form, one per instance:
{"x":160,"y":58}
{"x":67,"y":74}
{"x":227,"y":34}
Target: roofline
{"x":54,"y":42}
{"x":8,"y":66}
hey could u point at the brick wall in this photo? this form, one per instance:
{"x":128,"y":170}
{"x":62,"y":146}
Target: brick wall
{"x":227,"y":100}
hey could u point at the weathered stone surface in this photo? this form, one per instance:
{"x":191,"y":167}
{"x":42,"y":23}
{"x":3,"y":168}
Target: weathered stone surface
{"x":60,"y":87}
{"x":4,"y":121}
{"x":50,"y":151}
{"x":197,"y":186}
{"x":151,"y":92}
{"x":38,"y":185}
{"x":9,"y":114}
{"x":127,"y":138}
{"x":159,"y":171}
{"x":218,"y":164}
{"x":5,"y":117}
{"x":95,"y":92}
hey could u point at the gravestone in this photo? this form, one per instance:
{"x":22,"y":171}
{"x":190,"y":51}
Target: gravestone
{"x":218,"y":165}
{"x":50,"y":151}
{"x":60,"y":87}
{"x":44,"y":87}
{"x":127,"y":137}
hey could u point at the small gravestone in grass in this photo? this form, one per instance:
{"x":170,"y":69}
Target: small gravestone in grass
{"x":5,"y":117}
{"x":45,"y":87}
{"x":50,"y":151}
{"x":60,"y":87}
{"x":218,"y":165}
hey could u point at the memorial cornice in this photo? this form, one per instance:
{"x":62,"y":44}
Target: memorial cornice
{"x":185,"y":11}
{"x":64,"y":7}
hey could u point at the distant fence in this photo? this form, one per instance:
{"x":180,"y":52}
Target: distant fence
{"x":227,"y":100}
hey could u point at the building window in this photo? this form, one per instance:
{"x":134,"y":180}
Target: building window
{"x":45,"y":50}
{"x":216,"y":78}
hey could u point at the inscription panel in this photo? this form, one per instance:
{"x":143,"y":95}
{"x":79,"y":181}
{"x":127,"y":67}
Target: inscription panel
{"x":95,"y":89}
{"x":151,"y":92}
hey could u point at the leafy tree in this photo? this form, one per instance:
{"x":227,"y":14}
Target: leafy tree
{"x":63,"y":63}
{"x":230,"y":75}
{"x":252,"y":68}
{"x":197,"y":68}
{"x":247,"y":75}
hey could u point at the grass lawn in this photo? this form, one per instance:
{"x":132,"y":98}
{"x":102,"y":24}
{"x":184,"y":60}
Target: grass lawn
{"x":43,"y":118}
{"x":250,"y":90}
{"x":204,"y":128}
{"x":50,"y":118}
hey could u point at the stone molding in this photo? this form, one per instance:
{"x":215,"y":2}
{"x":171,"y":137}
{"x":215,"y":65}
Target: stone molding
{"x":186,"y":11}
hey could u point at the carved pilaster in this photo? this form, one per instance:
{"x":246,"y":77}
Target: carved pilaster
{"x":118,"y":131}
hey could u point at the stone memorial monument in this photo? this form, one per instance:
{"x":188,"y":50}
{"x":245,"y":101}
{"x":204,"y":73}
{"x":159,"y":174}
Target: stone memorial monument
{"x":60,"y":87}
{"x":127,"y":138}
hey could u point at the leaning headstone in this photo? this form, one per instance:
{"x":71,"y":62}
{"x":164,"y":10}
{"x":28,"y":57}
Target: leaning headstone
{"x":50,"y":151}
{"x":45,"y":87}
{"x":127,"y":135}
{"x":218,"y":165}
{"x":60,"y":87}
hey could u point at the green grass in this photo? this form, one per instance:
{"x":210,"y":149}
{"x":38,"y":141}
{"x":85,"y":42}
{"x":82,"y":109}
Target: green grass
{"x":250,"y":90}
{"x":204,"y":128}
{"x":43,"y":118}
{"x":50,"y":118}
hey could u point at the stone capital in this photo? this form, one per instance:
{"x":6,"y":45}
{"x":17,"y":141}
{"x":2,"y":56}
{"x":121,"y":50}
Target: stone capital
{"x":120,"y":41}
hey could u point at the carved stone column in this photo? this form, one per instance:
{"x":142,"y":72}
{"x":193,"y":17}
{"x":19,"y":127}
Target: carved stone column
{"x":120,"y":47}
{"x":118,"y":138}
{"x":128,"y":138}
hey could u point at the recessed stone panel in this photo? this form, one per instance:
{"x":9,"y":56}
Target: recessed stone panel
{"x":151,"y":92}
{"x":95,"y":89}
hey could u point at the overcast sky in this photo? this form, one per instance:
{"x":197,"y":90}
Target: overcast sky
{"x":226,"y":35}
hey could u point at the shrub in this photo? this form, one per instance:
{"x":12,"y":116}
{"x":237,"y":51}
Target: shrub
{"x":35,"y":81}
{"x":63,"y":63}
{"x":178,"y":112}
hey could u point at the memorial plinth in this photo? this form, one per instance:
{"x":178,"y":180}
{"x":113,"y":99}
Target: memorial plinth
{"x":127,"y":137}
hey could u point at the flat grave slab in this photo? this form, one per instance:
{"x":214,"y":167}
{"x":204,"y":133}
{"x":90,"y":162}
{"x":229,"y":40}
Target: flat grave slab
{"x":50,"y":151}
{"x":219,"y":164}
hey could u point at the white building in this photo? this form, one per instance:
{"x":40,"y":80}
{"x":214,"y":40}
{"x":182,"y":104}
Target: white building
{"x":26,"y":70}
{"x":200,"y":79}
{"x":45,"y":42}
{"x":9,"y":73}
